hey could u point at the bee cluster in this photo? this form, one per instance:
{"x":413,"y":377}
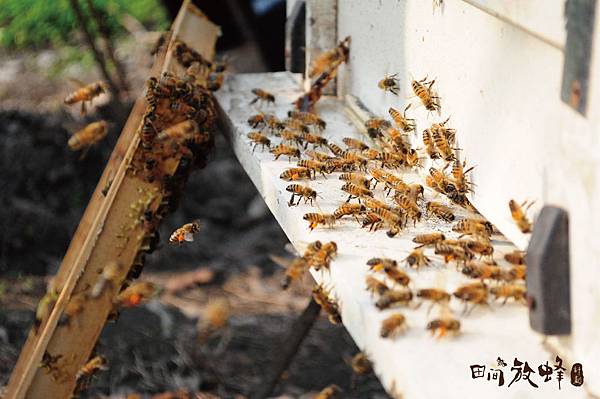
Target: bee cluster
{"x":378,"y":197}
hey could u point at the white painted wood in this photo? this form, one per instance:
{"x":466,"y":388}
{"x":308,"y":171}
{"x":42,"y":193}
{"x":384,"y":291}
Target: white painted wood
{"x":542,"y":18}
{"x":501,"y":85}
{"x":415,"y":365}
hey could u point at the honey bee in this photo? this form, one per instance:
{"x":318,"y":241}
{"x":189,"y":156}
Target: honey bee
{"x":88,"y":136}
{"x":519,"y":215}
{"x":397,"y":275}
{"x":135,"y":294}
{"x":422,"y":89}
{"x":391,"y":160}
{"x":429,"y":145}
{"x":394,"y":297}
{"x":50,"y":365}
{"x":435,"y":295}
{"x":378,"y":264}
{"x":444,"y":325}
{"x":340,"y":165}
{"x":294,"y":269}
{"x":262,"y":96}
{"x":429,"y":238}
{"x":514,"y":291}
{"x":328,"y":392}
{"x":259,"y":139}
{"x":314,"y":139}
{"x":372,"y":220}
{"x":397,"y":139}
{"x":301,"y":191}
{"x":390,"y":83}
{"x":452,"y":252}
{"x":515,"y":257}
{"x":374,"y":203}
{"x":375,"y":286}
{"x":417,"y":259}
{"x":393,"y":326}
{"x":86,"y":94}
{"x":481,"y":270}
{"x":317,"y":155}
{"x":448,"y":133}
{"x":379,"y":175}
{"x":84,"y":375}
{"x":258,"y":120}
{"x":308,"y":118}
{"x":314,"y":166}
{"x":185,"y":233}
{"x":274,"y":125}
{"x":286,"y":150}
{"x":355,"y":191}
{"x":349,"y":210}
{"x":291,"y":136}
{"x":296,"y":125}
{"x":45,"y":306}
{"x":394,"y":219}
{"x":110,"y":273}
{"x":323,"y":256}
{"x":316,"y":219}
{"x":356,"y":178}
{"x":458,"y":172}
{"x":404,"y":123}
{"x":482,"y":246}
{"x":312,"y":249}
{"x":180,"y":132}
{"x":293,"y":174}
{"x":473,"y":227}
{"x":412,"y":159}
{"x":361,"y":364}
{"x":442,"y":145}
{"x":375,"y":126}
{"x":475,"y":293}
{"x":409,"y":206}
{"x":356,"y":159}
{"x":516,"y":272}
{"x":355,"y":144}
{"x":330,"y":59}
{"x":337,"y":150}
{"x":440,"y":210}
{"x":329,"y":305}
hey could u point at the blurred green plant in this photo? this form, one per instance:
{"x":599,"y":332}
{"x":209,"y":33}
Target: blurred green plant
{"x":37,"y":24}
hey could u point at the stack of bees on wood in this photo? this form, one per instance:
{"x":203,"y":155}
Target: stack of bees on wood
{"x":363,"y":168}
{"x":176,"y":133}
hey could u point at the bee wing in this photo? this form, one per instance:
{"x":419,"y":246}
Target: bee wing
{"x":281,"y":261}
{"x":189,"y":237}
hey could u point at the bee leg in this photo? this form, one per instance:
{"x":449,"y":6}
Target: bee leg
{"x":83,"y":108}
{"x":291,"y":203}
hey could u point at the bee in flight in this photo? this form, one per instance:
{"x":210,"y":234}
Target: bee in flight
{"x":88,"y":136}
{"x":262,"y":96}
{"x":390,"y":83}
{"x":519,"y":215}
{"x":85,"y":94}
{"x":185,"y":233}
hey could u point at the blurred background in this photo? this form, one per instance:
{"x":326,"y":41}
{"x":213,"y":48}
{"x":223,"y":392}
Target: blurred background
{"x":45,"y":188}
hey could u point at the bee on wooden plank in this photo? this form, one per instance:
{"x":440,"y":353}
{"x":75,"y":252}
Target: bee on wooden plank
{"x":263,"y":96}
{"x":393,"y":326}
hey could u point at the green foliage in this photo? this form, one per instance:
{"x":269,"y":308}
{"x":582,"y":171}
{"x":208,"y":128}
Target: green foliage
{"x":44,"y":23}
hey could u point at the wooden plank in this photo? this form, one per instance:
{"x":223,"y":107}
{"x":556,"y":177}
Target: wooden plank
{"x":109,"y":231}
{"x":404,"y":364}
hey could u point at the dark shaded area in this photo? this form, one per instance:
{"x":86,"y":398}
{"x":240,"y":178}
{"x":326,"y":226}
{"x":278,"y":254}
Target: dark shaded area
{"x":44,"y":186}
{"x":240,"y":23}
{"x":154,"y":349}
